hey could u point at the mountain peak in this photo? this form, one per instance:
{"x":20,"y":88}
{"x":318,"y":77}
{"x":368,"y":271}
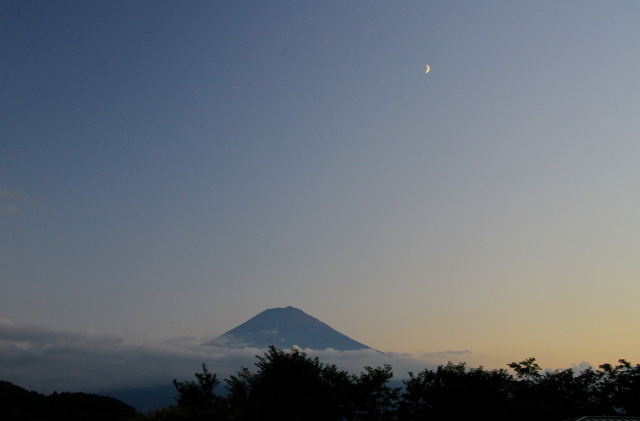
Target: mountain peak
{"x":284,"y":327}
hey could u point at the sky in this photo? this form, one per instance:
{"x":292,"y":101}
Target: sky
{"x":170,"y":169}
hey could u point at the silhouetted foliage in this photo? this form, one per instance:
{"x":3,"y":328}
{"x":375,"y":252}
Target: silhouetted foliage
{"x":196,"y":400}
{"x":454,"y":392}
{"x":374,"y":399}
{"x":192,"y":394}
{"x":563,"y":394}
{"x":620,"y":387}
{"x":290,"y":386}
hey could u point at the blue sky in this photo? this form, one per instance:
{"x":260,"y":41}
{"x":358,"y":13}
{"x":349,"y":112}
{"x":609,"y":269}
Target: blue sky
{"x":171,"y":169}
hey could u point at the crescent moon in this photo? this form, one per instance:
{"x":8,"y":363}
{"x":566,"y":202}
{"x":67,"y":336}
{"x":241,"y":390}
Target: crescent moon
{"x":428,"y":68}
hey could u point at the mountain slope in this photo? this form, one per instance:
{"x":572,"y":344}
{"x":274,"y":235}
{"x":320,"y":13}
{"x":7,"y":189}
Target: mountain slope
{"x":284,"y":328}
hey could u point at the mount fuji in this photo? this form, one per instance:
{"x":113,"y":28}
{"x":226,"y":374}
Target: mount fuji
{"x":284,"y":328}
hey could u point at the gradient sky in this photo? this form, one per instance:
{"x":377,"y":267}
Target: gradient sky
{"x":171,"y":169}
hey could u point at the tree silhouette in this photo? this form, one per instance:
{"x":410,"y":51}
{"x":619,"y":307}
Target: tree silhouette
{"x":559,"y":394}
{"x":374,"y":399}
{"x":192,"y":394}
{"x":620,"y":387}
{"x":290,"y":386}
{"x":454,"y":392}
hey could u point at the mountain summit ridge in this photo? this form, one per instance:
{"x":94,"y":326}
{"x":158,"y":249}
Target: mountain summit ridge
{"x":284,"y":327}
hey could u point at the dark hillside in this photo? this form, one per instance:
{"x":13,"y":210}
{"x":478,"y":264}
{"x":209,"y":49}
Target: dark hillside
{"x":18,"y":404}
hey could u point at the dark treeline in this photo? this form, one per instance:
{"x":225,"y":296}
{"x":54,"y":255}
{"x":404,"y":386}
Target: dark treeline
{"x":289,"y":385}
{"x":18,"y":404}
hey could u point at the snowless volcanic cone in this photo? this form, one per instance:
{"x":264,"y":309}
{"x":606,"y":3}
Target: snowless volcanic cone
{"x":284,"y":328}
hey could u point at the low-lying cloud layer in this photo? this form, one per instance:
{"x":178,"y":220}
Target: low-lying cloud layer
{"x":46,"y":360}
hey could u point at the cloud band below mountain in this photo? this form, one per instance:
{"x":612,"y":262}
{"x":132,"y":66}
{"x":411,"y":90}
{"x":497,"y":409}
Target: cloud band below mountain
{"x":47,"y":360}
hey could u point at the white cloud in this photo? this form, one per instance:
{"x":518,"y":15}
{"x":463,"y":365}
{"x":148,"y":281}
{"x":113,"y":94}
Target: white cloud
{"x":576,"y":368}
{"x":43,"y":359}
{"x":446,"y":354}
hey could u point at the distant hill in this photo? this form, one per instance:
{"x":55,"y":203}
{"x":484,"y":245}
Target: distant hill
{"x":146,"y":399}
{"x":17,"y":404}
{"x":284,"y":328}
